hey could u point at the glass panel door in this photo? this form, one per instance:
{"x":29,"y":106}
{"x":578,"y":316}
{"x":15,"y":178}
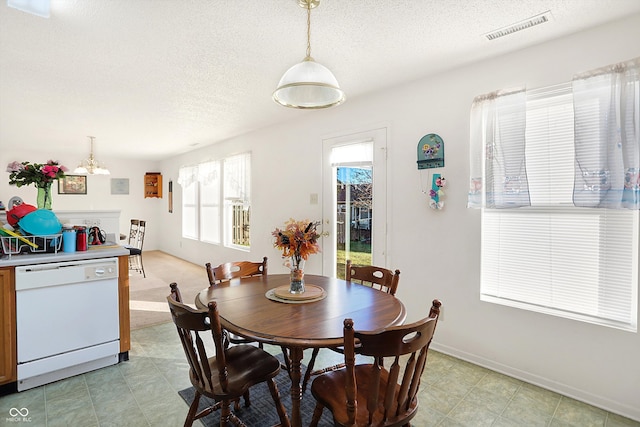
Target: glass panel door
{"x":354,"y":201}
{"x":354,"y":216}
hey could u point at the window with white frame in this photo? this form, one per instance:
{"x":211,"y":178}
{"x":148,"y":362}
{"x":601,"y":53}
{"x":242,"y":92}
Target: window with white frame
{"x":216,"y":201}
{"x":210,"y":175}
{"x":237,"y":198}
{"x":188,"y":179}
{"x":551,"y":256}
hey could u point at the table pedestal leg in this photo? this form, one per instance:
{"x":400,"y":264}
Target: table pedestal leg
{"x":296,"y":391}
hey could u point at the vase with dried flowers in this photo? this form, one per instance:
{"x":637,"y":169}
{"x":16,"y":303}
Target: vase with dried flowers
{"x":41,"y":175}
{"x":298,"y":240}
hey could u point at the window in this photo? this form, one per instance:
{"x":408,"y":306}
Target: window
{"x":190,"y":218}
{"x":554,"y":257}
{"x":237,"y":198}
{"x":216,"y":201}
{"x":210,"y":212}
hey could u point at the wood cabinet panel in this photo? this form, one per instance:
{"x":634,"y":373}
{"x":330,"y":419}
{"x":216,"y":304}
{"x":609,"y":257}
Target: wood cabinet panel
{"x":8,"y":364}
{"x":123,"y":296}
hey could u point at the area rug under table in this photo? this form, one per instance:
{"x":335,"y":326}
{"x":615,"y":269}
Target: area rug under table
{"x":262,"y":412}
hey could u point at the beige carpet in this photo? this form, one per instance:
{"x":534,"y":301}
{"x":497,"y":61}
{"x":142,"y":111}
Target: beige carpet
{"x":148,"y":296}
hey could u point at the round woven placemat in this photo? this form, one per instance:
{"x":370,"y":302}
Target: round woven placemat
{"x":312,"y":293}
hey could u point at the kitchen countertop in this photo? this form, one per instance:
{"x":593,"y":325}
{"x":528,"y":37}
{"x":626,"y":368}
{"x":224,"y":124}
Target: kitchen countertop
{"x":44,"y":258}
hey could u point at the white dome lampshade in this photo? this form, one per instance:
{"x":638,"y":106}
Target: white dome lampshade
{"x":308,"y":84}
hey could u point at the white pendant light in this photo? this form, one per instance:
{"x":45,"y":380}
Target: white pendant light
{"x":308,"y":85}
{"x":91,"y":166}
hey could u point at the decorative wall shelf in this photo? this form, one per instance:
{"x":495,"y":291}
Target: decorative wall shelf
{"x":153,"y":185}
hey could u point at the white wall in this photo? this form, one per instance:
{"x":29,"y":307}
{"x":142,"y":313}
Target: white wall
{"x":98,"y":196}
{"x":438,"y":252}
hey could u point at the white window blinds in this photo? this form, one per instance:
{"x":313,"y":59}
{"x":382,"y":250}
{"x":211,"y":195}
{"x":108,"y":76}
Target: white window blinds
{"x":553,"y":257}
{"x":237,"y":199}
{"x":210,"y":211}
{"x":216,"y":201}
{"x":188,"y":180}
{"x":190,"y":217}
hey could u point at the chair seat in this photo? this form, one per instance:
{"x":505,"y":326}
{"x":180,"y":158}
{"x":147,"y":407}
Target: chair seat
{"x":383,"y":393}
{"x":243,"y":362}
{"x":226,"y":377}
{"x":329,"y":389}
{"x":134,"y":251}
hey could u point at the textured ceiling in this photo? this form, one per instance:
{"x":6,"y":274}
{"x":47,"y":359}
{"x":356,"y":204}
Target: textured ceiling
{"x":153,"y":78}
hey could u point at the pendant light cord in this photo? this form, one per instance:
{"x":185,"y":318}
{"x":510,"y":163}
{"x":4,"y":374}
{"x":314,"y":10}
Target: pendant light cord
{"x":91,"y":152}
{"x":309,"y":30}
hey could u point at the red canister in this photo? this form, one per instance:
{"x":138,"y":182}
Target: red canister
{"x":81,"y":238}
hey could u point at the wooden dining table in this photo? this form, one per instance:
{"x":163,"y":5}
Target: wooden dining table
{"x":245,"y":310}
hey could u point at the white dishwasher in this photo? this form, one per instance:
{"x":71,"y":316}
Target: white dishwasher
{"x":67,"y":319}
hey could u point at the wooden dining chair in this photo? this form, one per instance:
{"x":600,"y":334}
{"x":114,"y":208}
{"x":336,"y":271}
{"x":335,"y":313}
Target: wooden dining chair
{"x":378,"y":278}
{"x":229,"y":374}
{"x":134,"y":245}
{"x":234,"y":270}
{"x":371,"y":394}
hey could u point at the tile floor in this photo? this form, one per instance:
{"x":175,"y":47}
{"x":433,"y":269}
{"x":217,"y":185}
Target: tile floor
{"x":143,"y":392}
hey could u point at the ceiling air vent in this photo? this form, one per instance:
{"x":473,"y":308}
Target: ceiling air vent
{"x":519,"y":26}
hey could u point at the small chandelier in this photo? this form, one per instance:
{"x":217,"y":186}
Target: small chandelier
{"x":91,"y":166}
{"x":308,"y":84}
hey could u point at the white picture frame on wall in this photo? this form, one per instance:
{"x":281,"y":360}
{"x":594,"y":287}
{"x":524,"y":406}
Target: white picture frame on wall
{"x":119,"y":185}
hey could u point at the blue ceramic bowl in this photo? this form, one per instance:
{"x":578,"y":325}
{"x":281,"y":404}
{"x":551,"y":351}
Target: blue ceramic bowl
{"x":40,"y":222}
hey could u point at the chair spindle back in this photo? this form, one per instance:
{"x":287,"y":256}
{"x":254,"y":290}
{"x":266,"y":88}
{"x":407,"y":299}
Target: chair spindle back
{"x":398,"y":398}
{"x":188,"y":323}
{"x":233,"y":270}
{"x":377,"y":277}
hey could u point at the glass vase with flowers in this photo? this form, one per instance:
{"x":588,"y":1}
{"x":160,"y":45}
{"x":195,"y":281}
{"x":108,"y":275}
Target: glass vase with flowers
{"x":298,"y":240}
{"x":40,"y":175}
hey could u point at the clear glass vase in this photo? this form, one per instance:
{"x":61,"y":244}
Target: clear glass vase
{"x":43,"y":200}
{"x":296,"y":284}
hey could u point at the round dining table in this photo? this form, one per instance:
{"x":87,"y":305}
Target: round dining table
{"x":296,"y":325}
